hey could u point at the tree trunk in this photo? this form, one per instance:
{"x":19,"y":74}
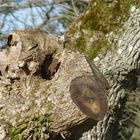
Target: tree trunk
{"x":44,"y":108}
{"x":36,"y":104}
{"x":121,"y":66}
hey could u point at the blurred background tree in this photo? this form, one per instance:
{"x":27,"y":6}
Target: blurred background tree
{"x":49,"y":15}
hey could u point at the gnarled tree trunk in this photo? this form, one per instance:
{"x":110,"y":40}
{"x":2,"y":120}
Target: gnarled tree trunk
{"x":44,"y":109}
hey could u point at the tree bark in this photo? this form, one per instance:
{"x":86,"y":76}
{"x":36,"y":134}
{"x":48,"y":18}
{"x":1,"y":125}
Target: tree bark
{"x":37,"y":107}
{"x":121,"y":68}
{"x":44,"y":108}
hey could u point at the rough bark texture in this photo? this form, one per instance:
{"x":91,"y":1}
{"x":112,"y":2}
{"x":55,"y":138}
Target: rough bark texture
{"x":121,"y":67}
{"x":34,"y":107}
{"x":46,"y":110}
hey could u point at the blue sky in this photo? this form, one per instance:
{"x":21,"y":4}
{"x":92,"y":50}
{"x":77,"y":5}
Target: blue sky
{"x":24,"y":18}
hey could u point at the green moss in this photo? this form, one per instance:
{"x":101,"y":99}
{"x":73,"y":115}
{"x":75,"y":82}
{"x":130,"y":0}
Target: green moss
{"x":41,"y":121}
{"x":104,"y":16}
{"x":100,"y":16}
{"x":34,"y":125}
{"x":90,"y":49}
{"x":15,"y":133}
{"x":79,"y":44}
{"x":96,"y":47}
{"x":11,"y":132}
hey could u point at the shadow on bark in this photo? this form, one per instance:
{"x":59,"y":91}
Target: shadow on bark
{"x":75,"y":132}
